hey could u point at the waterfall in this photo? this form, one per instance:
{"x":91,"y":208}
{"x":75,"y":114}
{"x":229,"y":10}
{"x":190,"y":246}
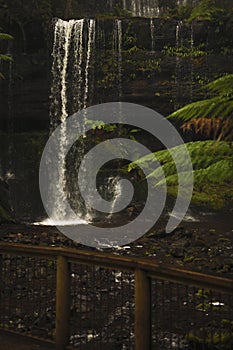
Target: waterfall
{"x":191,"y":63}
{"x":9,"y":171}
{"x":142,"y":8}
{"x":184,"y":65}
{"x":181,"y":2}
{"x":178,"y":68}
{"x":72,"y":53}
{"x":91,"y":38}
{"x":152,"y":33}
{"x":117,"y":34}
{"x":113,"y":187}
{"x":78,"y":61}
{"x":150,"y":8}
{"x":187,"y":2}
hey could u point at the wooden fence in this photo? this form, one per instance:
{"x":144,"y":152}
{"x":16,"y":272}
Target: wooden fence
{"x":144,"y":270}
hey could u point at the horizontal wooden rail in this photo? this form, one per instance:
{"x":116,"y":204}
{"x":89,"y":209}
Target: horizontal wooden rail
{"x":128,"y":263}
{"x":144,"y":269}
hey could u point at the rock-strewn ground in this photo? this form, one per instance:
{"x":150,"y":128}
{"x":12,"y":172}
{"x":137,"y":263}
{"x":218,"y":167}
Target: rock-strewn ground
{"x":197,"y":246}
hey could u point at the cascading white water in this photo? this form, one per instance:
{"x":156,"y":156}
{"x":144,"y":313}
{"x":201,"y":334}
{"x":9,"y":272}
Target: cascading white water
{"x":191,"y":63}
{"x":62,"y":41}
{"x":91,"y":39}
{"x":116,"y":190}
{"x":78,"y":59}
{"x":72,"y":51}
{"x":152,"y":33}
{"x":142,"y":8}
{"x":151,"y":8}
{"x":184,"y":69}
{"x":117,"y":33}
{"x":187,"y":2}
{"x":178,"y":65}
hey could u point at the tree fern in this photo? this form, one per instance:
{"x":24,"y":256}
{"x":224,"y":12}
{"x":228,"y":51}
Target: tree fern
{"x":212,"y":170}
{"x":4,"y":36}
{"x":219,"y":107}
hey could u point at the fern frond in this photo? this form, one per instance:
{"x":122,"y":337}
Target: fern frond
{"x":198,"y":109}
{"x":212,"y":170}
{"x":223,"y":85}
{"x":219,"y":107}
{"x":5,"y":57}
{"x":4,"y":36}
{"x":215,"y":127}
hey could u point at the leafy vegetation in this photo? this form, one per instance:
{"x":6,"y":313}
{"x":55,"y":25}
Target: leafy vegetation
{"x":211,"y":116}
{"x":184,"y":51}
{"x":4,"y":36}
{"x":212,"y":169}
{"x":206,"y":10}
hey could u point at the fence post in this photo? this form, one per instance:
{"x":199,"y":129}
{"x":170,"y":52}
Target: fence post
{"x":142,"y":329}
{"x":62,"y":303}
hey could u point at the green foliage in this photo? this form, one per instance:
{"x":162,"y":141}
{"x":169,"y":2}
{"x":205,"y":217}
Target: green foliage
{"x":100,"y":131}
{"x":4,"y":36}
{"x":100,"y":125}
{"x":207,"y":339}
{"x":223,"y":85}
{"x":179,"y":12}
{"x":217,"y":106}
{"x":211,"y":107}
{"x":134,"y":62}
{"x":213,"y":172}
{"x":206,"y":10}
{"x":184,"y":51}
{"x":119,"y":12}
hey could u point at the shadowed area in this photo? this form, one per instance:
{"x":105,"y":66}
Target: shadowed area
{"x":10,"y":341}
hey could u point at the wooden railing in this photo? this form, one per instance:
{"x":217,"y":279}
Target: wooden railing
{"x":144,"y":269}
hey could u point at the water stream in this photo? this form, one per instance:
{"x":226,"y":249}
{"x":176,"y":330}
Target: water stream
{"x":142,"y":8}
{"x":152,"y":33}
{"x":73,"y":53}
{"x":117,"y":34}
{"x":71,"y":74}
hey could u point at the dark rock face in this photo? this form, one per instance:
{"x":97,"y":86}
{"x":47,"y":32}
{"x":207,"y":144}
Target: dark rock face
{"x":25,"y":90}
{"x":157,"y":78}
